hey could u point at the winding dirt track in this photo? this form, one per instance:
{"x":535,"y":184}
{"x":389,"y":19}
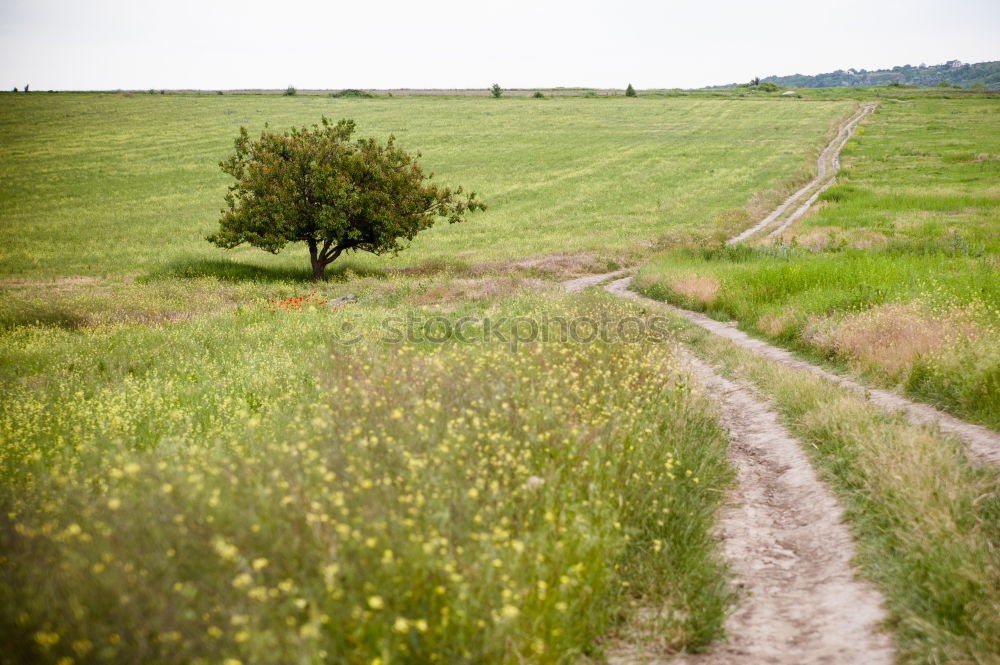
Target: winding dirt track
{"x":790,"y":550}
{"x":827,"y":166}
{"x":581,"y":283}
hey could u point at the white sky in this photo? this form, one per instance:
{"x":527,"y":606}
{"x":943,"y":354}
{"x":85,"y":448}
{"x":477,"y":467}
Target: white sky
{"x":226,"y":44}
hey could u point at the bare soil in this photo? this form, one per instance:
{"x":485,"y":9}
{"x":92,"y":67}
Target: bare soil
{"x":581,"y":283}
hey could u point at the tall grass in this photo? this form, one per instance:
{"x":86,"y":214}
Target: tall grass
{"x":239,"y":489}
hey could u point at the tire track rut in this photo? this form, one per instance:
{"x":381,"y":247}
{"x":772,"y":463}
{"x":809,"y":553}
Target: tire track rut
{"x":827,"y":165}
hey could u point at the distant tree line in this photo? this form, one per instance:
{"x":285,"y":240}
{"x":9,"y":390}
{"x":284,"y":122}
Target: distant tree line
{"x":964,"y":75}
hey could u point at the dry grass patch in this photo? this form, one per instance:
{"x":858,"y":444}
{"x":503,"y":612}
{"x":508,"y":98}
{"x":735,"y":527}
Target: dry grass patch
{"x":558,"y":266}
{"x":776,"y":322}
{"x":481,"y":288}
{"x":891,"y":336}
{"x":65,"y":282}
{"x":826,"y":237}
{"x":702,"y":289}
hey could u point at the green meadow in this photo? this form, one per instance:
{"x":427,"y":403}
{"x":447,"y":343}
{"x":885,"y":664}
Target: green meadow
{"x":114,"y":184}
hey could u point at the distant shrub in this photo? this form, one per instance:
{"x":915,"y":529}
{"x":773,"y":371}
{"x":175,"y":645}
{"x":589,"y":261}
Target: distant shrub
{"x":496,"y":90}
{"x":944,"y":84}
{"x":152,"y":92}
{"x":163,"y":92}
{"x":538,"y":95}
{"x":630,"y":91}
{"x":351,"y":92}
{"x":768,"y":86}
{"x":15,"y":89}
{"x":218,"y":92}
{"x":290,"y":91}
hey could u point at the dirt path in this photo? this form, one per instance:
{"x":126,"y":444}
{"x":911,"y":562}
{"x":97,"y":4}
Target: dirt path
{"x":827,"y":166}
{"x":783,"y":535}
{"x":581,"y":283}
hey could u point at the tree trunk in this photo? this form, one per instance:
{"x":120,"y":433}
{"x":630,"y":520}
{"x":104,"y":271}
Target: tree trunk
{"x":318,"y":265}
{"x":319,"y":268}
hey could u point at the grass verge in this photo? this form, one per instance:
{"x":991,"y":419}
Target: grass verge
{"x":196,"y":493}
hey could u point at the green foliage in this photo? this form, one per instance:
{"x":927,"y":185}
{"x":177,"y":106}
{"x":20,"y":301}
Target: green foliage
{"x":290,"y":91}
{"x":958,"y":73}
{"x":318,"y":187}
{"x":538,"y":95}
{"x":768,"y":86}
{"x":352,"y":93}
{"x":630,"y":91}
{"x":496,"y":90}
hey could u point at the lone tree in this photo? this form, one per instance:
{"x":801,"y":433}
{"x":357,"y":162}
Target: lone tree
{"x":318,"y":187}
{"x":630,"y":91}
{"x":496,"y":90}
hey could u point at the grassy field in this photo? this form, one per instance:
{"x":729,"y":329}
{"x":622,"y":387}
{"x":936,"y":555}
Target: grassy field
{"x":195,"y":468}
{"x":107,"y":184}
{"x":895,"y":274}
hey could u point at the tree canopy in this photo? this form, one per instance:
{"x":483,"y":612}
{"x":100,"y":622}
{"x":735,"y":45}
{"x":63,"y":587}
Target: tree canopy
{"x":317,"y":186}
